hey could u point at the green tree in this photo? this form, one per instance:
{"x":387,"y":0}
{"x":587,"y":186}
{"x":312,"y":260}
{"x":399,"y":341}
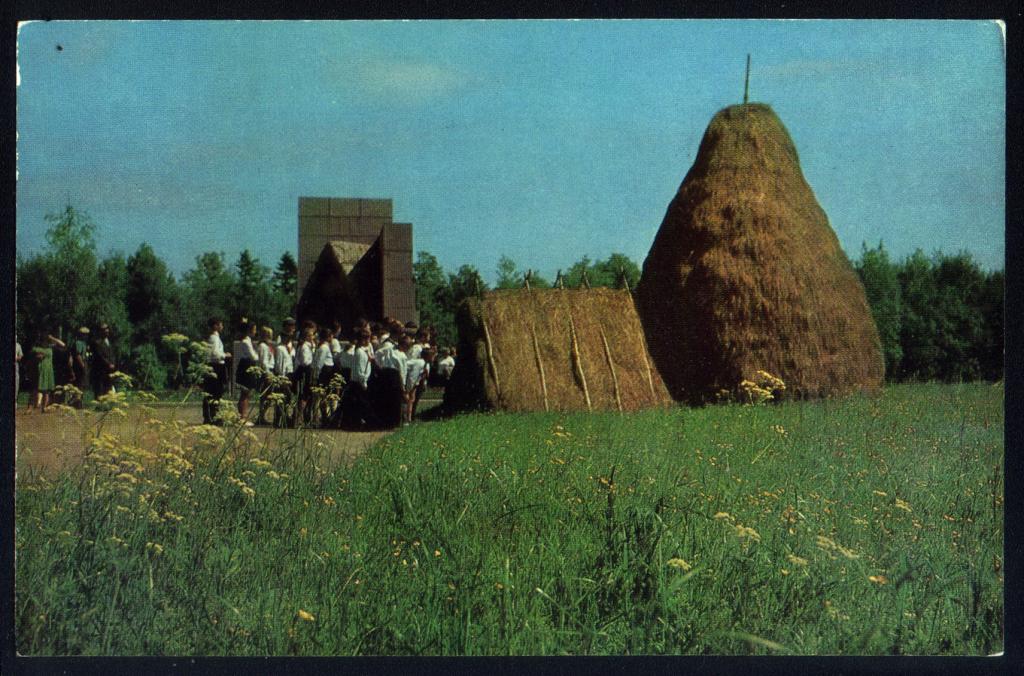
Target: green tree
{"x":57,"y":289}
{"x":465,"y":283}
{"x":606,"y":273}
{"x":509,"y":276}
{"x":286,"y":276}
{"x":151,"y":297}
{"x":209,"y":290}
{"x":919,"y":325}
{"x":433,"y":296}
{"x":880,"y":277}
{"x":112,"y":306}
{"x":255,"y":297}
{"x":959,"y":283}
{"x":990,"y":303}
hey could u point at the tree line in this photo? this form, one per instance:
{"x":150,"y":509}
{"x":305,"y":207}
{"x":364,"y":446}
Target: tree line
{"x":67,"y":285}
{"x":939,"y":317}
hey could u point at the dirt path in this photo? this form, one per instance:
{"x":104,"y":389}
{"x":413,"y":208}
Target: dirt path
{"x":49,"y":442}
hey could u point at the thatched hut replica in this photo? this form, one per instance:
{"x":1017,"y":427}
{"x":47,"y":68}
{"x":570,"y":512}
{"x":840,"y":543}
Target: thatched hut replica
{"x":335,"y":290}
{"x":746,"y":274}
{"x":553,"y":350}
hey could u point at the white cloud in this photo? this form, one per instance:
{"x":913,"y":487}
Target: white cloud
{"x":407,"y":81}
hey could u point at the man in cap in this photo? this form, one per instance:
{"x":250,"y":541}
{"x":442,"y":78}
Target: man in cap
{"x":81,"y":355}
{"x":102,"y":361}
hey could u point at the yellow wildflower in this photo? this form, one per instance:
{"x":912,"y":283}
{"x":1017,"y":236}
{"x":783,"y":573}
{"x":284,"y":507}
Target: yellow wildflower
{"x":903,"y":505}
{"x":679,"y":563}
{"x":796,"y":560}
{"x":722,"y":515}
{"x":746,"y":532}
{"x":878,"y":579}
{"x":307,"y":616}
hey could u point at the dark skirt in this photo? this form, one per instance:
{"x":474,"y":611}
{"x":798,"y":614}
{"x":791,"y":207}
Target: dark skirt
{"x":302,"y":380}
{"x":357,"y":408}
{"x":326,"y":373}
{"x":245,"y":379}
{"x":388,"y":397}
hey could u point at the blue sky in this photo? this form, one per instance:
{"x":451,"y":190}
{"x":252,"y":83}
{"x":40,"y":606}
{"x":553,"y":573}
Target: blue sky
{"x":541,"y":140}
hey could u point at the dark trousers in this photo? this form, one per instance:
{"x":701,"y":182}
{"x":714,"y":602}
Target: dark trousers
{"x":101,"y":383}
{"x":213,"y":390}
{"x":357,"y":408}
{"x":388,"y":397}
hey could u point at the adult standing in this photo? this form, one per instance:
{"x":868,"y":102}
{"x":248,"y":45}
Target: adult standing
{"x":102,"y":361}
{"x":42,"y":353}
{"x":18,"y":356}
{"x":213,"y":383}
{"x":81,"y":355}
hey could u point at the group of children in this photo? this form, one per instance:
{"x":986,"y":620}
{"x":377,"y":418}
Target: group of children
{"x":371,"y":379}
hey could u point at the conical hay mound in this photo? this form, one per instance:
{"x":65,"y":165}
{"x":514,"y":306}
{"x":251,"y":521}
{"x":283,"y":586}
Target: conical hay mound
{"x":553,"y":350}
{"x":746,"y":274}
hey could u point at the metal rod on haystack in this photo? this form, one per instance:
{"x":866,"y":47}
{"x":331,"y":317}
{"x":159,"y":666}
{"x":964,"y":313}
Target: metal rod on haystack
{"x":540,"y":366}
{"x":577,"y":360}
{"x":746,"y":81}
{"x":526,"y":279}
{"x":585,"y":282}
{"x":611,"y":366}
{"x":559,"y":283}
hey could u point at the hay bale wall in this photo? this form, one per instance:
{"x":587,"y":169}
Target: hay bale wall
{"x":746,"y":274}
{"x":518,"y":353}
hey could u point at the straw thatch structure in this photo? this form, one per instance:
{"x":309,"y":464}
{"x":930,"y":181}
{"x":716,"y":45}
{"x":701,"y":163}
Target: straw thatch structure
{"x":334,"y":289}
{"x":553,"y":350}
{"x":746,"y":274}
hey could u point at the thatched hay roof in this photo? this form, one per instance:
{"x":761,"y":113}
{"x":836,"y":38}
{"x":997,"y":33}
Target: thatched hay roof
{"x":553,"y":349}
{"x":348,"y":253}
{"x":746,"y":274}
{"x":332,"y":292}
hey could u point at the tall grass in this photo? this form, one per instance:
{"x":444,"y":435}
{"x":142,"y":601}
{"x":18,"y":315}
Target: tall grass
{"x":864,"y":526}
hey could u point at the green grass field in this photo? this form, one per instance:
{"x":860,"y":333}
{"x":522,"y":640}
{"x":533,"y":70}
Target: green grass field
{"x":870,"y":525}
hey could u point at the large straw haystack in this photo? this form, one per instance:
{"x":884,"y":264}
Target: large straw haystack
{"x":746,"y":274}
{"x":553,"y":349}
